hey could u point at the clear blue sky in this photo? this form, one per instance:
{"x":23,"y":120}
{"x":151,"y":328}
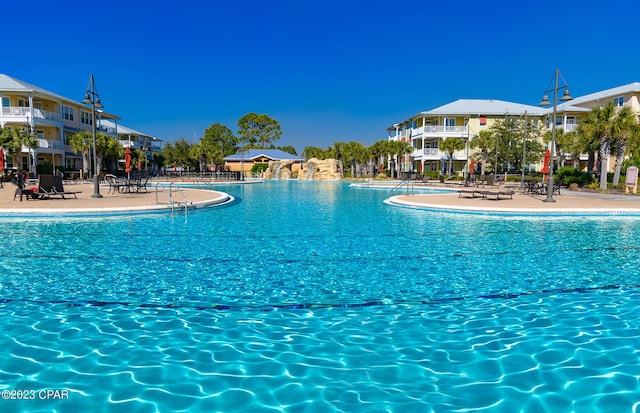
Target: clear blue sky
{"x":328,"y":71}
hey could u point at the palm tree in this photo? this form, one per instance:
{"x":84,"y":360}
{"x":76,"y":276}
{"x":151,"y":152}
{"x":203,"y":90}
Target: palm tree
{"x":81,"y":143}
{"x":598,"y":125}
{"x":337,"y":151}
{"x":622,"y":127}
{"x":198,"y":153}
{"x":588,"y":142}
{"x":452,"y":145}
{"x":314,"y":152}
{"x":107,"y":147}
{"x":378,"y":151}
{"x":398,"y":149}
{"x":13,"y":140}
{"x":484,"y":140}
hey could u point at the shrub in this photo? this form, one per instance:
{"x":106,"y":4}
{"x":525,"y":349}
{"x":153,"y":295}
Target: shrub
{"x":44,"y":168}
{"x":258,"y":168}
{"x":570,"y":175}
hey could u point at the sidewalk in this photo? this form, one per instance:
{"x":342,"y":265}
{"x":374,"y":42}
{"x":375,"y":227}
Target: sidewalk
{"x":108,"y":202}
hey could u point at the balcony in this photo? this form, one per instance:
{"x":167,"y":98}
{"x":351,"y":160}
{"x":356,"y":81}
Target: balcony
{"x":435,"y":154}
{"x":46,"y":144}
{"x":24,"y":113}
{"x":439,"y":131}
{"x":568,"y":127}
{"x":110,"y":130}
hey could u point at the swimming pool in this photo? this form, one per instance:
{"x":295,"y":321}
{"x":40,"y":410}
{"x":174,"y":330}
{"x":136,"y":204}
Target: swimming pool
{"x":313,"y":296}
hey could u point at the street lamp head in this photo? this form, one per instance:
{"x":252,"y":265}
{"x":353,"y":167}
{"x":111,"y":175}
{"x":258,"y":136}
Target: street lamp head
{"x":87,"y":99}
{"x":566,"y":96}
{"x":545,"y":101}
{"x":99,"y":104}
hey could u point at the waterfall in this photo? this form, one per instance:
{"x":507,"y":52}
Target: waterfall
{"x":276,"y":174}
{"x":310,"y":170}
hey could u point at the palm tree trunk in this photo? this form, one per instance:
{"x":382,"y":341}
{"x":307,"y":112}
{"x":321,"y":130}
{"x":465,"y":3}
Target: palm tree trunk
{"x":591,"y":161}
{"x":86,"y":162}
{"x":604,"y":156}
{"x":620,"y":151}
{"x":485,"y":155}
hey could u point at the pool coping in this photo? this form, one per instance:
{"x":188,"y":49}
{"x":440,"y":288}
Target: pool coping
{"x":220,"y":199}
{"x":396,"y":201}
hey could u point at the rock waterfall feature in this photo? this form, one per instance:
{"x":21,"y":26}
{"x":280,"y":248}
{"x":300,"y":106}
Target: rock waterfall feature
{"x":312,"y":170}
{"x":320,"y":170}
{"x":278,"y":170}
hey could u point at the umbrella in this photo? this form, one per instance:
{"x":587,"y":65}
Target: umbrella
{"x":472,"y":166}
{"x":127,"y":160}
{"x":547,"y":159}
{"x":139,"y":165}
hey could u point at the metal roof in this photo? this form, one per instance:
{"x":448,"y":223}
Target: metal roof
{"x":124,"y":130}
{"x":483,"y":107}
{"x":12,"y":85}
{"x":604,"y":94}
{"x":273,"y":154}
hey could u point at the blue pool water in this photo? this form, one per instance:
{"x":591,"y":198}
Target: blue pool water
{"x":317,"y":297}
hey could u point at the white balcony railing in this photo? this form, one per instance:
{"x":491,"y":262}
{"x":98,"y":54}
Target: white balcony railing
{"x":436,"y":154}
{"x":47,"y":144}
{"x":44,"y":114}
{"x":106,"y":129}
{"x":22,"y":112}
{"x":15,"y":112}
{"x":440,"y":130}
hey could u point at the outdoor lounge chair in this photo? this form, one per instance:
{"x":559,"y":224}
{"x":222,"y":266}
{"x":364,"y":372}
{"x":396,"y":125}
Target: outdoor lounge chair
{"x":471,"y":192}
{"x":51,"y":185}
{"x":497,"y":194}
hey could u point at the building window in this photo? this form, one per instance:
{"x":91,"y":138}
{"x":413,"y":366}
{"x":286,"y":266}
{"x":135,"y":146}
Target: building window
{"x":450,"y":122}
{"x":23,"y":103}
{"x":5,"y":102}
{"x":619,"y":101}
{"x":86,"y":118}
{"x":67,"y":113}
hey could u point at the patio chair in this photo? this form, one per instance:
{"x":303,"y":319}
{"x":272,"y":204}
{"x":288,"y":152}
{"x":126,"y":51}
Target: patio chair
{"x":142,"y":184}
{"x":51,"y":185}
{"x":114,"y":184}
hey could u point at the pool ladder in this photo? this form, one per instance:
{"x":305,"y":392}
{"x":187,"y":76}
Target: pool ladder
{"x":409,"y":184}
{"x":170,"y":194}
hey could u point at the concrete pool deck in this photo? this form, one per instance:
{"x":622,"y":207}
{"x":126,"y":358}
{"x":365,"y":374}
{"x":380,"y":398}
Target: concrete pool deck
{"x":110,"y":202}
{"x":569,"y":202}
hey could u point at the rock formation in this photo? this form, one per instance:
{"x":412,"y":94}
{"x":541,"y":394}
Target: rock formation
{"x":313,"y":169}
{"x":278,"y":170}
{"x":325,"y":170}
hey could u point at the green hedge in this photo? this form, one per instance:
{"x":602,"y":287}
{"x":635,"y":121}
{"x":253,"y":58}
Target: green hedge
{"x":570,"y":175}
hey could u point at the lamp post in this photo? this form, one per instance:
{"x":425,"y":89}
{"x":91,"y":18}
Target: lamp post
{"x":545,"y":102}
{"x":91,"y":98}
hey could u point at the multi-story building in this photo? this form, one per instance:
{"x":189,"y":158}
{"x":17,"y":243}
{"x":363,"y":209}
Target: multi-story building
{"x":569,"y":113}
{"x":462,"y":119}
{"x":53,"y":119}
{"x":466,"y":118}
{"x":134,"y":139}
